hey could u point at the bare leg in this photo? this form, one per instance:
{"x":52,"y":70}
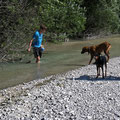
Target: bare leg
{"x":38,"y":59}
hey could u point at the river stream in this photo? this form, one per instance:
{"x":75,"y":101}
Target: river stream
{"x":57,"y":58}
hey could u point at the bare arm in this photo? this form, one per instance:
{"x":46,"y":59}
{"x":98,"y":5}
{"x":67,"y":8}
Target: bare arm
{"x":30,"y":45}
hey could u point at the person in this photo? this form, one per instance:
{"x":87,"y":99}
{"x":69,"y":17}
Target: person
{"x":36,"y":43}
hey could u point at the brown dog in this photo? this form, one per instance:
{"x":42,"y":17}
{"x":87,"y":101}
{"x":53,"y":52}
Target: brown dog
{"x":97,"y":49}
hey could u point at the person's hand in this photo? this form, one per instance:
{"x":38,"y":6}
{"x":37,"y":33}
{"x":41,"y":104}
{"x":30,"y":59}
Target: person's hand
{"x":29,"y":49}
{"x":42,"y":46}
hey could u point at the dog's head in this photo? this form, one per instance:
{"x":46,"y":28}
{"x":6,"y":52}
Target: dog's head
{"x":97,"y":56}
{"x":85,"y":49}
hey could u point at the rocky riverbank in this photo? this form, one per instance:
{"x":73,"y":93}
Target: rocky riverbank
{"x":75,"y":95}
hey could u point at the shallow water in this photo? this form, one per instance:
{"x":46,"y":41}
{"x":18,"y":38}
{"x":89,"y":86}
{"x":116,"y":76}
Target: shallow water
{"x":57,"y":58}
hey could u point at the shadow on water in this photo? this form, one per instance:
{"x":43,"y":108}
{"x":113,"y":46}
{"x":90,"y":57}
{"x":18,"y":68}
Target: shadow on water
{"x":93,"y":78}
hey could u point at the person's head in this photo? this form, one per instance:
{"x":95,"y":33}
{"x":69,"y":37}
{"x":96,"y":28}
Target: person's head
{"x":42,"y":28}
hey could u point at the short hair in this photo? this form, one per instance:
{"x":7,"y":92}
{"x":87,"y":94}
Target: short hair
{"x":43,"y":27}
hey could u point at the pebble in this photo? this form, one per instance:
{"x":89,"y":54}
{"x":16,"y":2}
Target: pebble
{"x":75,"y":95}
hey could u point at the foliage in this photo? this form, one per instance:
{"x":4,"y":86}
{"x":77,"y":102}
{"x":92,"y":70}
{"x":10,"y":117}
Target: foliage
{"x":63,"y":18}
{"x":102,"y":15}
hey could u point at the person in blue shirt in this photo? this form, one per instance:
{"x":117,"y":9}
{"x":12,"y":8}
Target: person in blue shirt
{"x":36,"y":43}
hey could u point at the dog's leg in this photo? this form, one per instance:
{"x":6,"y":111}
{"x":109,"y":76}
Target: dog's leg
{"x":105,"y":69}
{"x":97,"y":72}
{"x":91,"y":59}
{"x":108,"y":57}
{"x":102,"y":72}
{"x":107,"y":53}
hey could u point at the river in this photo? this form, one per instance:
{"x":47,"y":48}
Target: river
{"x":57,"y":58}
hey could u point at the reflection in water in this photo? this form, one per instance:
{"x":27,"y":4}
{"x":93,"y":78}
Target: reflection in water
{"x":38,"y":73}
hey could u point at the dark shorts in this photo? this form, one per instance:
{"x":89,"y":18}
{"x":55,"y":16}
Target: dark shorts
{"x":37,"y":52}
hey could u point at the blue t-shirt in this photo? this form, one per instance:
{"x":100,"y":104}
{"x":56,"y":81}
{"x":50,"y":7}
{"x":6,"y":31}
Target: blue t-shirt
{"x":37,"y":39}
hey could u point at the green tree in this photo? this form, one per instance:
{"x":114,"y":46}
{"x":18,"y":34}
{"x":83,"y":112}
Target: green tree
{"x":102,"y":15}
{"x":62,"y":16}
{"x":20,"y":19}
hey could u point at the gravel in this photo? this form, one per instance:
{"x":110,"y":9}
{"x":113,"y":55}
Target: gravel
{"x":75,"y":95}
